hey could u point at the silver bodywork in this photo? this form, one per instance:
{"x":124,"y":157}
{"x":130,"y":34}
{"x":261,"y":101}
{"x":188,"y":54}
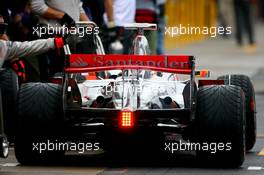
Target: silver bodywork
{"x":132,"y":93}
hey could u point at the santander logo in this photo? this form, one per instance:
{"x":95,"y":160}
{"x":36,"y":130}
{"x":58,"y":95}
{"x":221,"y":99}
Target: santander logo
{"x":90,"y":60}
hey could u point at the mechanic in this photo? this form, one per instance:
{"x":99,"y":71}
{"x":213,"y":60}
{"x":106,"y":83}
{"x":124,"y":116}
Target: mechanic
{"x":10,"y":50}
{"x":95,"y":10}
{"x":55,"y":13}
{"x":161,"y":27}
{"x":146,"y":12}
{"x":3,"y":28}
{"x":20,"y":28}
{"x":116,"y":18}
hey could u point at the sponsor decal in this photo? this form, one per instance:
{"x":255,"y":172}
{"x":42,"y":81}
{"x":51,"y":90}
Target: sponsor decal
{"x":174,"y":62}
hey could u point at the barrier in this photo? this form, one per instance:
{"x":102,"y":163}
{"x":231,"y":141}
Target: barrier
{"x":186,"y":13}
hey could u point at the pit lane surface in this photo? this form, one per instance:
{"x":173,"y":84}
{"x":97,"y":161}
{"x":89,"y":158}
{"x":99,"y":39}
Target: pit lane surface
{"x":181,"y":164}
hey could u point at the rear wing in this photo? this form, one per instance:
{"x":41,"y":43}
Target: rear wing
{"x":78,"y":63}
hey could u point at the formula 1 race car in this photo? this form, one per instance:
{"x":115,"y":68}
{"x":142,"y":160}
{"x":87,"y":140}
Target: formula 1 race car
{"x":120,"y":103}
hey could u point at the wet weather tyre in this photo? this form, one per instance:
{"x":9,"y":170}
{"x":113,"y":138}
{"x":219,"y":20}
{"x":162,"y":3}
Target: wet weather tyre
{"x":244,"y":82}
{"x":9,"y":87}
{"x":38,"y":121}
{"x":220,"y":123}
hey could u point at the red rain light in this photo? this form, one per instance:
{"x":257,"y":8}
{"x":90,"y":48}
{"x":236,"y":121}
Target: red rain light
{"x":127,"y":120}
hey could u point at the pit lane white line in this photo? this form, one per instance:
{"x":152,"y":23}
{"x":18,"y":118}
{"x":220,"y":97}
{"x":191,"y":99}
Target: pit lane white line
{"x":9,"y":164}
{"x":255,"y":168}
{"x":7,"y":167}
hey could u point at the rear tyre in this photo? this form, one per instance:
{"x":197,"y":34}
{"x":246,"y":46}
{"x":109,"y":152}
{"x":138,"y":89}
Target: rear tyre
{"x":39,"y":121}
{"x":221,"y":124}
{"x":246,"y":85}
{"x":9,"y":87}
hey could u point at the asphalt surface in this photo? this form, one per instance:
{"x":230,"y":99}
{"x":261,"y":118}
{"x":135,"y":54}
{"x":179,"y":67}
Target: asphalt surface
{"x":220,"y":57}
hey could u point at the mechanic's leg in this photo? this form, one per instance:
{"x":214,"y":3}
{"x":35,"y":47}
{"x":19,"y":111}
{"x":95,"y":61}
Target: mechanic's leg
{"x":226,"y":14}
{"x":239,"y":22}
{"x":55,"y":63}
{"x":262,"y":9}
{"x":104,"y":39}
{"x":152,"y":39}
{"x":32,"y":69}
{"x":44,"y":61}
{"x":127,"y":41}
{"x":43,"y":67}
{"x":161,"y":31}
{"x":160,"y":38}
{"x":246,"y":8}
{"x":50,"y":64}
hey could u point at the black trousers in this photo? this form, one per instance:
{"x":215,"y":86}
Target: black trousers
{"x":243,"y":21}
{"x":261,"y":3}
{"x":50,"y":62}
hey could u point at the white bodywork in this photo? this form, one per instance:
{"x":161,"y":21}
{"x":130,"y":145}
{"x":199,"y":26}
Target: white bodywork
{"x":136,"y":93}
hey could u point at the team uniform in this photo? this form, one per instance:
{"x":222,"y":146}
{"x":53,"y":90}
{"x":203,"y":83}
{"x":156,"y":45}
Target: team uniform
{"x":123,"y":11}
{"x":10,"y":50}
{"x":72,"y":7}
